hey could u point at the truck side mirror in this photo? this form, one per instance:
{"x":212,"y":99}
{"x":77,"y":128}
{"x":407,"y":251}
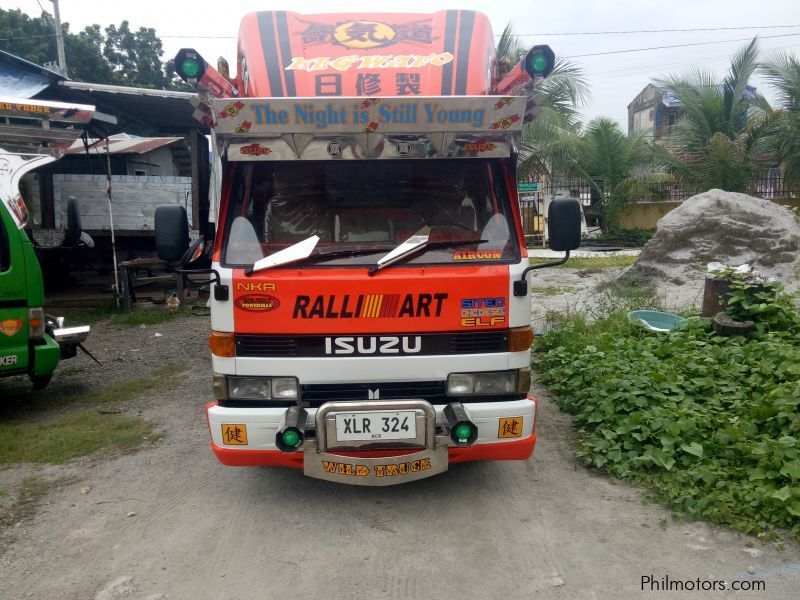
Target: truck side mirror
{"x":171,"y":232}
{"x":564,"y":224}
{"x":193,"y":252}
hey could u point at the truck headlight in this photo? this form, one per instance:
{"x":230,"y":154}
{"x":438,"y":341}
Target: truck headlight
{"x":255,"y":388}
{"x":249,"y":388}
{"x":284,"y":388}
{"x":492,"y":383}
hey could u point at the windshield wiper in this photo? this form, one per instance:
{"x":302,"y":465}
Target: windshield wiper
{"x":343,"y":253}
{"x":293,"y":253}
{"x":415,"y":245}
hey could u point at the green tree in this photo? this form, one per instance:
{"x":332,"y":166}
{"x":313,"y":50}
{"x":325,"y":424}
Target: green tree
{"x":782,"y":132}
{"x":116,"y":55}
{"x":714,"y":143}
{"x":30,"y":38}
{"x":135,"y":56}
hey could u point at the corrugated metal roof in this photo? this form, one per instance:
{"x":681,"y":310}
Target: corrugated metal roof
{"x":122,"y":144}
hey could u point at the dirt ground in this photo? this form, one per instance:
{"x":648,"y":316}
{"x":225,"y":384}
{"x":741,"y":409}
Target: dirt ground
{"x":169,"y":522}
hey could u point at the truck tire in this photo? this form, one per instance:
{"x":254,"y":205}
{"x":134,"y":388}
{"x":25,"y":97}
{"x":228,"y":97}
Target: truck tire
{"x":40,"y":381}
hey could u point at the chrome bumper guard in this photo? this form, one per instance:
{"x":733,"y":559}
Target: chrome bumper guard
{"x":431,"y":457}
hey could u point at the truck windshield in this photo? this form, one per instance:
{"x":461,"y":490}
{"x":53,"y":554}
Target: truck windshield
{"x":361,"y":210}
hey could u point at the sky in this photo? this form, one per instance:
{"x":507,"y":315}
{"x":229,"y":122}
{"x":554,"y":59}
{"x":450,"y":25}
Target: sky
{"x":569,"y":26}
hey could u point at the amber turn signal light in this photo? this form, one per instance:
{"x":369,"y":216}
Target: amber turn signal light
{"x":221,"y":344}
{"x":519,"y":339}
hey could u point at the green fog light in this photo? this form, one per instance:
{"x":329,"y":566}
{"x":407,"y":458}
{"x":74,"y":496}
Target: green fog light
{"x":539,"y":63}
{"x":463,"y":431}
{"x":291,"y":437}
{"x":190,"y":68}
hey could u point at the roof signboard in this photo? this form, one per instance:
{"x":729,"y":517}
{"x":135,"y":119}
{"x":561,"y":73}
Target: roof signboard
{"x":324,"y":116}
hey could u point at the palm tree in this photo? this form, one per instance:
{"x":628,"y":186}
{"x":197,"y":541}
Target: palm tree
{"x":713,"y":145}
{"x":617,"y":165}
{"x":782,"y":133}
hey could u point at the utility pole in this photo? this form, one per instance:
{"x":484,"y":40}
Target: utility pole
{"x":62,"y":59}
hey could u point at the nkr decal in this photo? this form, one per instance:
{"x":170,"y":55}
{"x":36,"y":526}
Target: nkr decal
{"x":256,"y":286}
{"x":482,"y":312}
{"x":257,"y":303}
{"x":368,"y":306}
{"x":10,"y":327}
{"x":477,"y":254}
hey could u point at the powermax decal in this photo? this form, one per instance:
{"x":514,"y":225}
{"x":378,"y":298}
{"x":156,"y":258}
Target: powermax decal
{"x":257,"y":303}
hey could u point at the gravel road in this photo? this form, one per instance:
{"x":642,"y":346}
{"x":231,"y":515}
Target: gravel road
{"x":169,"y":522}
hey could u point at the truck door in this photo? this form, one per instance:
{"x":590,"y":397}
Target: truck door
{"x":14,"y":347}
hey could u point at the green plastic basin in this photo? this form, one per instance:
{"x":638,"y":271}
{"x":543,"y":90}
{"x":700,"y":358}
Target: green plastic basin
{"x":656,"y":321}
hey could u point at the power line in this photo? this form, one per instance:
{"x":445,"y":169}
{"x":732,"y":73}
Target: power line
{"x":634,"y":69}
{"x":766,"y":37}
{"x":652,"y":30}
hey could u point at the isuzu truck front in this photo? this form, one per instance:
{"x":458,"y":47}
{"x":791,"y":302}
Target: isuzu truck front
{"x":370,"y":308}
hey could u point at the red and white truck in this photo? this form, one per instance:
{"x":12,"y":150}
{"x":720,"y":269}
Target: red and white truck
{"x":370,"y":306}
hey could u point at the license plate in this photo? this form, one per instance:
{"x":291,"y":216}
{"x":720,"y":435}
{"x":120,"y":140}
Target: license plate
{"x":384,"y":425}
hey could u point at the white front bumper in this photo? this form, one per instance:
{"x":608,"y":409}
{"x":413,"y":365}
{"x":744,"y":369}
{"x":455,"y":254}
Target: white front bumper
{"x":263,"y":422}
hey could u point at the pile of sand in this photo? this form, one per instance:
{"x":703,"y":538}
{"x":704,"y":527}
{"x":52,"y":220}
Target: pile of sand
{"x":717,"y":226}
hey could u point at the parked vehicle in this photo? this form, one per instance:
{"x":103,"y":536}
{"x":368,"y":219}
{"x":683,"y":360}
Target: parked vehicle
{"x":31,"y":343}
{"x":370,"y":306}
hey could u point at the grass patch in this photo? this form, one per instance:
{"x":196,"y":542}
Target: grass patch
{"x":118,"y":317}
{"x":590,"y":265}
{"x":32,"y":489}
{"x":71,"y":371}
{"x":116,"y":392}
{"x":553,"y":291}
{"x":56,"y":441}
{"x":710,"y":424}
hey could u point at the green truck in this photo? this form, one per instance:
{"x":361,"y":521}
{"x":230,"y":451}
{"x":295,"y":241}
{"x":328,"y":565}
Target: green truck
{"x":32,"y":134}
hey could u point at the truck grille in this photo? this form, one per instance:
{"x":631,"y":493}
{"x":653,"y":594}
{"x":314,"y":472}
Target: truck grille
{"x":315,"y":395}
{"x":268,"y":346}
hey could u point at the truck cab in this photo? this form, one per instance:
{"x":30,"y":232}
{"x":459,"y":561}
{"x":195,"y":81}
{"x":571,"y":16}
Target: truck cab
{"x":370,"y":322}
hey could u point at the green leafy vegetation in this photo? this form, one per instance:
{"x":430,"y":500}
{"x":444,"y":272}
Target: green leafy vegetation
{"x":710,"y":424}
